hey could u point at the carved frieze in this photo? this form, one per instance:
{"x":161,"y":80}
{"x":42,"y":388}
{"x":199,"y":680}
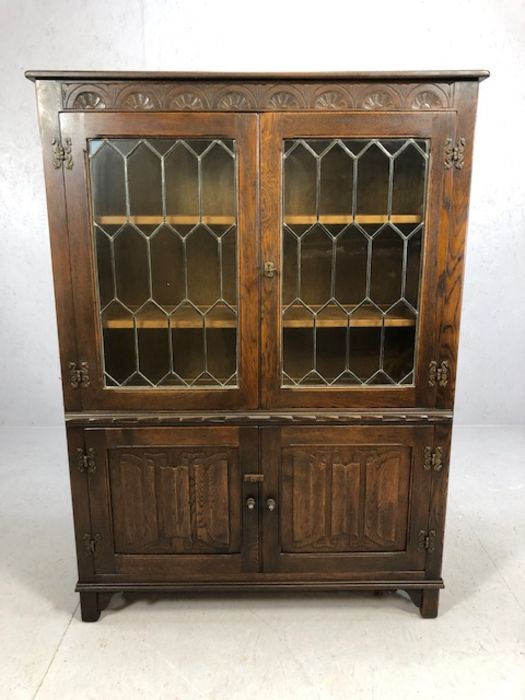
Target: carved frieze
{"x":231,"y":97}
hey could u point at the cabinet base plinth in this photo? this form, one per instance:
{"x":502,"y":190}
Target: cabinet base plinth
{"x":424,"y":594}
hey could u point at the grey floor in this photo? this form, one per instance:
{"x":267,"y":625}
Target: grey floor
{"x":271,"y":646}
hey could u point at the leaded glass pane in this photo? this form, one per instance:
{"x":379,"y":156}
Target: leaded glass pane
{"x":165,"y":237}
{"x":352,"y":238}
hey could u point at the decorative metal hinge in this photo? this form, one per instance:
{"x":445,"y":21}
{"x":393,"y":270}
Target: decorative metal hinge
{"x":62,"y":153}
{"x":78,"y":374}
{"x":90,"y":542}
{"x":438,"y":373}
{"x":433,"y":459}
{"x":86,"y":460}
{"x":269,"y":269}
{"x":426,"y":540}
{"x":454,"y":154}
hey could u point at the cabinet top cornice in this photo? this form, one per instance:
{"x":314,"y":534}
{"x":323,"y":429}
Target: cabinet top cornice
{"x":414,"y":76}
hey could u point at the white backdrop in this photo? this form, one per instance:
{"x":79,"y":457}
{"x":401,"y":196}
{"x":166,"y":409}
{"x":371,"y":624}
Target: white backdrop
{"x":271,"y":35}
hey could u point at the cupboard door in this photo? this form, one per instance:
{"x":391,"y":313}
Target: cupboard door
{"x":161,"y":217}
{"x":350,"y":240}
{"x":169,"y":502}
{"x":345,"y":500}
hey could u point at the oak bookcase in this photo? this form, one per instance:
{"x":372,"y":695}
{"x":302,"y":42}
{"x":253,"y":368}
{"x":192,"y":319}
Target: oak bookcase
{"x":258,"y":288}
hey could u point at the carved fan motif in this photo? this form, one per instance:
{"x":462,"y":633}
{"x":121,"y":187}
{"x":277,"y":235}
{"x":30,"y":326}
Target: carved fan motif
{"x":425,"y":100}
{"x":89,"y":100}
{"x":378,"y":100}
{"x":283,"y":100}
{"x":187,"y":100}
{"x":331,"y":100}
{"x":138,"y":100}
{"x":233,"y":100}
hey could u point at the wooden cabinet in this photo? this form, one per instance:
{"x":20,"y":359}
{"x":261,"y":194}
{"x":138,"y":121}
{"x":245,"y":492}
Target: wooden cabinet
{"x":258,"y":282}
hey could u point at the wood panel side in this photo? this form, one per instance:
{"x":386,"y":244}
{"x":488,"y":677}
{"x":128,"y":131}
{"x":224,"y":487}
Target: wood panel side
{"x":455,"y":214}
{"x":80,"y":503}
{"x":438,"y":501}
{"x":49,"y":103}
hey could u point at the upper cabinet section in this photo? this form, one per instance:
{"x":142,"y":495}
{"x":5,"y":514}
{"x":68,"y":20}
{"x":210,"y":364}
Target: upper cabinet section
{"x":240,"y":241}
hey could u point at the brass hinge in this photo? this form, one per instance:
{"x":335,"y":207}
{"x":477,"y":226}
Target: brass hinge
{"x":433,"y":459}
{"x":426,"y":540}
{"x":78,"y":374}
{"x":86,"y":460}
{"x":62,"y":153}
{"x":269,"y":269}
{"x":438,"y":373}
{"x":454,"y":154}
{"x":90,"y":542}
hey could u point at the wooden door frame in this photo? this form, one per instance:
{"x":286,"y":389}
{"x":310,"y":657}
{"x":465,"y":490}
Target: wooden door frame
{"x":110,"y":566}
{"x":350,"y":563}
{"x":274,"y":128}
{"x":243,"y":129}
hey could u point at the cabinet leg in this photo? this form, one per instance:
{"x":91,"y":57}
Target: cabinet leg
{"x":89,"y":607}
{"x":429,"y":603}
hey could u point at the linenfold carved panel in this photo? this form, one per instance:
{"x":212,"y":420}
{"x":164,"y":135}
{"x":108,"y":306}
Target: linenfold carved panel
{"x":342,"y":499}
{"x":217,"y":96}
{"x":175,"y":500}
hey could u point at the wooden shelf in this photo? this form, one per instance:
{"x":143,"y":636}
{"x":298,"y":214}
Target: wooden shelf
{"x":334,"y":318}
{"x":230,"y":220}
{"x":152,"y":220}
{"x":294,"y":318}
{"x":359,"y":218}
{"x":219,"y":318}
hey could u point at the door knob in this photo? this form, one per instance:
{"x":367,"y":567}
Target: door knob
{"x":250,"y":503}
{"x":271,"y":505}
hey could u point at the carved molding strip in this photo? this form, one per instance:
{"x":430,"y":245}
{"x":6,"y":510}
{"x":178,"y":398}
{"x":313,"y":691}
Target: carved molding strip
{"x":257,"y":418}
{"x":231,"y":97}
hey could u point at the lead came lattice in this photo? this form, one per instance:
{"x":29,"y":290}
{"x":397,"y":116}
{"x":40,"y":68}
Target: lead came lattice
{"x":165,"y":217}
{"x":352,"y":236}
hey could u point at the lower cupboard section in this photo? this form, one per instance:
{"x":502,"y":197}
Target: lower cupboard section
{"x":223,"y":505}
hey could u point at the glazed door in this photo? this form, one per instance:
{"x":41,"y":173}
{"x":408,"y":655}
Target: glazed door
{"x":345,"y":500}
{"x":161,"y":217}
{"x":169,"y":502}
{"x":351,"y":208}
